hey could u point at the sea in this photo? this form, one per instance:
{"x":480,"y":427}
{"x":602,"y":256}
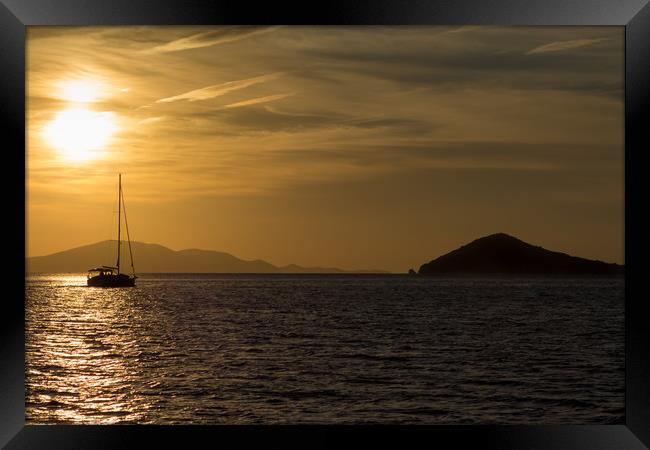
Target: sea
{"x":324,"y":349}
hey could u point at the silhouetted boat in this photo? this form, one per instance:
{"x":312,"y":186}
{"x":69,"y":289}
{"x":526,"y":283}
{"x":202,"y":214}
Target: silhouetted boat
{"x":109,"y":276}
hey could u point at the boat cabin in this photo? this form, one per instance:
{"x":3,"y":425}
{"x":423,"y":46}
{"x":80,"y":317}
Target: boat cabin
{"x":102,"y":271}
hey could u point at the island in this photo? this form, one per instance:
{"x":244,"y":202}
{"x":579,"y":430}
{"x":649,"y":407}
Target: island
{"x":501,"y":253}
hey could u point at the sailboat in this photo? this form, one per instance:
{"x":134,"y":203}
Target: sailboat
{"x":110,"y":276}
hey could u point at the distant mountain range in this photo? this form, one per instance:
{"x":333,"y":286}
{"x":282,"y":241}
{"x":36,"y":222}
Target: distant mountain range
{"x":494,"y":254}
{"x":156,"y":258}
{"x":503,"y":254}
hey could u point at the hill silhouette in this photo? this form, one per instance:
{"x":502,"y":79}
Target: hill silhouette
{"x":504,"y":254}
{"x":156,"y":258}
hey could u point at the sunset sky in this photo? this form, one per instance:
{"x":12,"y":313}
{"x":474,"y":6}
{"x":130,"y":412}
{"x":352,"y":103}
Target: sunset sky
{"x":354,"y":147}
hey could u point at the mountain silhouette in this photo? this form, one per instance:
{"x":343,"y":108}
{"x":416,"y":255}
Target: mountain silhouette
{"x":156,"y":258}
{"x":503,"y":254}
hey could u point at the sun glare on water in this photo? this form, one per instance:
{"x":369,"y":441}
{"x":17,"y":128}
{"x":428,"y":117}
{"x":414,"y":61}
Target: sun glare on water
{"x":79,"y":133}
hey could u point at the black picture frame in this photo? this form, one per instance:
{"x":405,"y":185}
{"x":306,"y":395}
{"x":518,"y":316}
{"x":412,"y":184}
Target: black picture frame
{"x":634,"y":15}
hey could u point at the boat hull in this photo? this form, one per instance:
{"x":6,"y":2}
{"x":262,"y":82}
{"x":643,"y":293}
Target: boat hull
{"x":120,"y":280}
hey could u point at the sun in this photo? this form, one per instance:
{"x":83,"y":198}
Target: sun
{"x":79,"y":134}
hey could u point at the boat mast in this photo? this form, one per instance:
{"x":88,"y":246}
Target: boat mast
{"x":119,"y":214}
{"x":128,"y":236}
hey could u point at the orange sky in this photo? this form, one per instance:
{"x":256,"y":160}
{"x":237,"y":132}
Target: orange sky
{"x":355,"y":147}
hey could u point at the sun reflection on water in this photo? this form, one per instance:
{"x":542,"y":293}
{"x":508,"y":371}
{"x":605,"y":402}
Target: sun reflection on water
{"x":87,"y":358}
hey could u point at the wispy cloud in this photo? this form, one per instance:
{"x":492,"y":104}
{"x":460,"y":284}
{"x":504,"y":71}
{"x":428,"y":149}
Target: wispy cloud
{"x":219,"y":89}
{"x":209,"y":38}
{"x":255,"y":101}
{"x":564,"y":45}
{"x":151,"y":120}
{"x":464,"y":28}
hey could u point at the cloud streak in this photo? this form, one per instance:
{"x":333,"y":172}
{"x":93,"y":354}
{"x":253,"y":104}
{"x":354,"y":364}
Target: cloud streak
{"x":210,"y":38}
{"x":258,"y":100}
{"x":564,"y":45}
{"x":218,"y":90}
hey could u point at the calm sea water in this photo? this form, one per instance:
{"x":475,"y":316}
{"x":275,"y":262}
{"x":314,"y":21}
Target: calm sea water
{"x":325,"y":349}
